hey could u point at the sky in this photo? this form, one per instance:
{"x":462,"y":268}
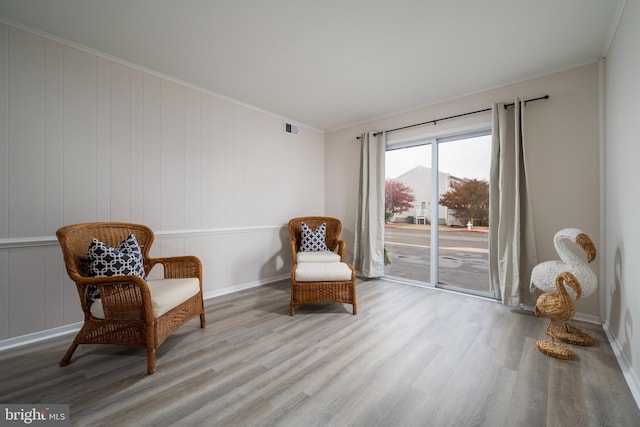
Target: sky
{"x":466,"y":158}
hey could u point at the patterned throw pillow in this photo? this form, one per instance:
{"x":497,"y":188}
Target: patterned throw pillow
{"x":105,"y":261}
{"x":314,"y":240}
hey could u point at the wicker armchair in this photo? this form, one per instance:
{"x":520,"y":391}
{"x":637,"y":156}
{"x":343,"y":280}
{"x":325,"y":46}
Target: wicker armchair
{"x":130,"y":314}
{"x":320,"y":280}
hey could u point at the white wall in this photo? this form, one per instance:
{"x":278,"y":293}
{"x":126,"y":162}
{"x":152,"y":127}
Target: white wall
{"x":561,"y":145}
{"x":84,"y":137}
{"x":622,"y":204}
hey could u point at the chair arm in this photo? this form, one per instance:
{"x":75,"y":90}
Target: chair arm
{"x":341,"y":249}
{"x":294,"y":253}
{"x":122,"y":297}
{"x":179,"y":267}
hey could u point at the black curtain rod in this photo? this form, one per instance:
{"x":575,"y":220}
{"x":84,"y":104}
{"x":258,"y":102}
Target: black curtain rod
{"x":456,"y":116}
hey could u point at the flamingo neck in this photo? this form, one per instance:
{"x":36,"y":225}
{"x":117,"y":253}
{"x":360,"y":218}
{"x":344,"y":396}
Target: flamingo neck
{"x":566,"y":254}
{"x":562,"y":290}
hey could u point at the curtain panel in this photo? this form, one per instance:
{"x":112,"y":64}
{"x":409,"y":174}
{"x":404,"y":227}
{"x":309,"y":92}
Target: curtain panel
{"x":512,"y":246}
{"x":369,"y":233}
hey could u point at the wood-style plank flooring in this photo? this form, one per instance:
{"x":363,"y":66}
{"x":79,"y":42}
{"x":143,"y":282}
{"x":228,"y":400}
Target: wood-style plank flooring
{"x":411,"y":357}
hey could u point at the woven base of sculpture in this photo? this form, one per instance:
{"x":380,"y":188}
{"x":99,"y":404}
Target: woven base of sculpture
{"x":569,"y":334}
{"x":555,"y":349}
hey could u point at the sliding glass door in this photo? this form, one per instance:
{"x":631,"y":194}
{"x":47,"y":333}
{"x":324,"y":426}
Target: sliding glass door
{"x":408,"y":213}
{"x":437,"y":209}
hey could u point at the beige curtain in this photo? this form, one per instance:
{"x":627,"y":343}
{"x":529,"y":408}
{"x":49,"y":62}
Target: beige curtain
{"x":512,"y":246}
{"x":369,"y":234}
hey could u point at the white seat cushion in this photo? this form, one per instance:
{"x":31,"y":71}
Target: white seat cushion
{"x":322,"y":272}
{"x":166,"y":294}
{"x":321,"y":256}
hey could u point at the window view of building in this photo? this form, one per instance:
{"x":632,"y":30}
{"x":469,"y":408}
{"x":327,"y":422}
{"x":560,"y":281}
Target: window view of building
{"x":460,"y":214}
{"x":419,"y":180}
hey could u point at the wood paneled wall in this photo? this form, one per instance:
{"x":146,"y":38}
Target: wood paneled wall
{"x":84,"y":137}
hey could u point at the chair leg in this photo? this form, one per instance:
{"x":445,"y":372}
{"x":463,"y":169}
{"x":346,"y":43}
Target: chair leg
{"x":353,"y":296}
{"x":292,"y":309}
{"x":151,"y":360}
{"x":67,"y":357}
{"x":203,"y":321}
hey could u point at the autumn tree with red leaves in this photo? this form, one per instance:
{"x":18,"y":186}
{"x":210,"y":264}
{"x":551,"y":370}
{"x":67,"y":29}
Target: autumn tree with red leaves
{"x":397,"y":197}
{"x":469,"y":199}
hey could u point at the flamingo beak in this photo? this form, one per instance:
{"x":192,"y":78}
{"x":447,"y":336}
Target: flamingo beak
{"x":587,"y":244}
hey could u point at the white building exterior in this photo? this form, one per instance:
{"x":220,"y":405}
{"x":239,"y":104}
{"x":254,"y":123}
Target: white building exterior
{"x":419,"y":180}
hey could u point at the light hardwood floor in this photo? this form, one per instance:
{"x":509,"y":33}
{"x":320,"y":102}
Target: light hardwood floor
{"x":410,"y":357}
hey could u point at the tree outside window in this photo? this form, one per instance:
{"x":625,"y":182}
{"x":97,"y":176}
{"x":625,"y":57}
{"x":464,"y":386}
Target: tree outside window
{"x":398,"y":198}
{"x":470,"y":201}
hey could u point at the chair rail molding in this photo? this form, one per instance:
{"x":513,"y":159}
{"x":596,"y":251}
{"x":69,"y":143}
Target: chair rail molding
{"x":21,"y":242}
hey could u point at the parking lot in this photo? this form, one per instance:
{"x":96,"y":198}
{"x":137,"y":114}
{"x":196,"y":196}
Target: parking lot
{"x":463,"y":255}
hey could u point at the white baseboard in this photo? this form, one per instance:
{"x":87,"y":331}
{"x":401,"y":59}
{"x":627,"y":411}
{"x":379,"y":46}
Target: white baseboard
{"x":581,"y":317}
{"x":625,"y":367}
{"x":47,"y":334}
{"x":243,"y":286}
{"x":587,"y":318}
{"x":27,"y":339}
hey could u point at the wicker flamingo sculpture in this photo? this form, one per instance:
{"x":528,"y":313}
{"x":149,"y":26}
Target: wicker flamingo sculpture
{"x":558,"y":307}
{"x":544,"y":276}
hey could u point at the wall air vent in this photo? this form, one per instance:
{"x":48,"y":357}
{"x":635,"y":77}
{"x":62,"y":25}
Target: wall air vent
{"x":291,"y":128}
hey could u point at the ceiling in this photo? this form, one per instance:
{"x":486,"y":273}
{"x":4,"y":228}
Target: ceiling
{"x":333,"y":63}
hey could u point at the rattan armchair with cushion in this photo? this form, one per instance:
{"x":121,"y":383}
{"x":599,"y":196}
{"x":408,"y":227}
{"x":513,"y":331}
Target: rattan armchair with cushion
{"x":121,"y":306}
{"x":319,"y":273}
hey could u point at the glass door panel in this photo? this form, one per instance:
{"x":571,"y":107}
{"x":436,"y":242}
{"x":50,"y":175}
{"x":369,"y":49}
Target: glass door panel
{"x":463,"y":243}
{"x":407,"y":239}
